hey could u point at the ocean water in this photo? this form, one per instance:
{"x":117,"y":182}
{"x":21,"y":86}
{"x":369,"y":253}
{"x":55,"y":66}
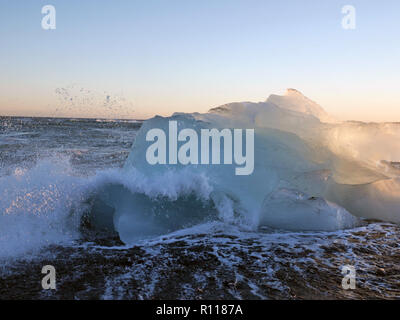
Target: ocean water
{"x":48,"y":167}
{"x":72,"y":189}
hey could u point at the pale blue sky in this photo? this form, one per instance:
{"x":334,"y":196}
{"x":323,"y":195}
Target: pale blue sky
{"x":184,"y":55}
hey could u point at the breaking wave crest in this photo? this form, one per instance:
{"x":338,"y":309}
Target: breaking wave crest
{"x":46,"y":204}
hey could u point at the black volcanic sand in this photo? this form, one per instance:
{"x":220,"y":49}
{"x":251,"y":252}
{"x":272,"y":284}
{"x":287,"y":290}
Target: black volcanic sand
{"x":216,"y":266}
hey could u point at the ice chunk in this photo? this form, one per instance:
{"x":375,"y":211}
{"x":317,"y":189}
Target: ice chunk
{"x":298,"y":150}
{"x":294,"y":100}
{"x":293,"y":210}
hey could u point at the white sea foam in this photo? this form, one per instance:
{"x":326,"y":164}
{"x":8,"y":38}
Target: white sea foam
{"x":36,"y":207}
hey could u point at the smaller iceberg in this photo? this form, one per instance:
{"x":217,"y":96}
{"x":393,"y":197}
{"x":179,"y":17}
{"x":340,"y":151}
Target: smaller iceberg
{"x":293,"y":210}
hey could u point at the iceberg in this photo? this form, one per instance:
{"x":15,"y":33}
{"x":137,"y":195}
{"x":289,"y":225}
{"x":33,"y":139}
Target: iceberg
{"x":311,"y":172}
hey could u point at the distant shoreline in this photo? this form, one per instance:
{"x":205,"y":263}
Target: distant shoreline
{"x":73,"y":118}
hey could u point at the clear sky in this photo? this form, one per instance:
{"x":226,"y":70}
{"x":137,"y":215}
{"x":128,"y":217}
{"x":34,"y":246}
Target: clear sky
{"x":160,"y":56}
